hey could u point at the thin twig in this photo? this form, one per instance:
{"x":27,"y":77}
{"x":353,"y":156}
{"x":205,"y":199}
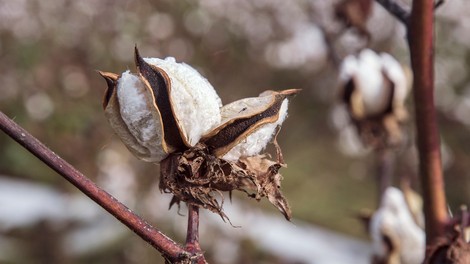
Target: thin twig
{"x":169,"y":249}
{"x":438,"y":4}
{"x":398,"y":11}
{"x":421,"y":43}
{"x":464,"y":220}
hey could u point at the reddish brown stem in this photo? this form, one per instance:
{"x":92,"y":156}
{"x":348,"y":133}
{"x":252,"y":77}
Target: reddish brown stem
{"x":169,"y":249}
{"x":421,"y":43}
{"x":192,"y":235}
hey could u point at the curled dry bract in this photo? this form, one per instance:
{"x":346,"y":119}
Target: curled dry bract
{"x":168,"y":113}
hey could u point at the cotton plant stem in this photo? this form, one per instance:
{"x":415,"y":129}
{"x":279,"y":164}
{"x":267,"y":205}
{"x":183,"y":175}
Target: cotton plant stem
{"x":169,"y":249}
{"x":385,"y":160}
{"x":192,"y":235}
{"x":421,"y":43}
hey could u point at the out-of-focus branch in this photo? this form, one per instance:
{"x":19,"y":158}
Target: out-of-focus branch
{"x":169,"y":249}
{"x":421,"y":43}
{"x":385,"y":161}
{"x":397,"y":10}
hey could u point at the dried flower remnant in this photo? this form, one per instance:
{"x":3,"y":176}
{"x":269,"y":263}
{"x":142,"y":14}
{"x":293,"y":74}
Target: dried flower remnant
{"x":169,"y":114}
{"x":374,"y":89}
{"x":396,"y":237}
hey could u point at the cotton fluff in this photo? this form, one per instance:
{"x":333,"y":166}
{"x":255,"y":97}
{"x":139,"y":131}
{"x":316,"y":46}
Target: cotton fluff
{"x":195,"y":102}
{"x":369,"y":79}
{"x":394,"y":219}
{"x":394,"y":71}
{"x":256,"y":141}
{"x":369,"y":72}
{"x":140,"y":119}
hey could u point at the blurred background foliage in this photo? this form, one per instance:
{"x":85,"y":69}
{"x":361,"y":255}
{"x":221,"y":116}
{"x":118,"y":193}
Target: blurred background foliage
{"x":50,"y":51}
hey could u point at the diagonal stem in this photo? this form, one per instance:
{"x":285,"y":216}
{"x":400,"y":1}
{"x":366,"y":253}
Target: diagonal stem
{"x":169,"y":249}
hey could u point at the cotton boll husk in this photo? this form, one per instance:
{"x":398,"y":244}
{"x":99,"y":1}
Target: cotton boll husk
{"x":142,"y":130}
{"x":254,"y":143}
{"x":194,"y":100}
{"x":244,"y":107}
{"x":394,"y":219}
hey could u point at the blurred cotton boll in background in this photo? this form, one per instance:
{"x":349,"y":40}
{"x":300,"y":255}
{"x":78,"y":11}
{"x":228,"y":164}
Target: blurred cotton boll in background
{"x":394,"y":222}
{"x":371,"y":74}
{"x":374,"y":89}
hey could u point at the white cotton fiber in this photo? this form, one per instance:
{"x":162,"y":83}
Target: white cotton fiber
{"x":369,"y":72}
{"x":195,"y":101}
{"x":397,"y":75}
{"x":259,"y":139}
{"x":370,"y":81}
{"x":139,"y":115}
{"x":394,"y":219}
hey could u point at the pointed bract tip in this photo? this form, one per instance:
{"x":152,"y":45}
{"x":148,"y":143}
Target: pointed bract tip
{"x":140,"y":63}
{"x":138,"y":59}
{"x":111,"y":80}
{"x":109,"y":76}
{"x":291,"y":92}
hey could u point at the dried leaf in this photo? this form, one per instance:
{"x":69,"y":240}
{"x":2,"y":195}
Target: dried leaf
{"x":199,"y":178}
{"x":269,"y":179}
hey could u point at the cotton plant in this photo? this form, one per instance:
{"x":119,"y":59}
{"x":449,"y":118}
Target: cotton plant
{"x":397,"y":238}
{"x":374,"y":87}
{"x":167,"y":113}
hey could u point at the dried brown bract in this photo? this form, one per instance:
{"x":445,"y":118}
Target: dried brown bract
{"x":199,"y":178}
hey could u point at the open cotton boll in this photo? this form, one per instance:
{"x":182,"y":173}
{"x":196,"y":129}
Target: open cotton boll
{"x":394,"y":219}
{"x":140,"y":119}
{"x":194,"y":100}
{"x":254,"y":143}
